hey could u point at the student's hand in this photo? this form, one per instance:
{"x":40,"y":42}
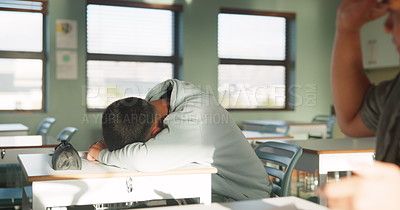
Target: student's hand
{"x":353,"y":14}
{"x":95,"y":149}
{"x":374,"y":187}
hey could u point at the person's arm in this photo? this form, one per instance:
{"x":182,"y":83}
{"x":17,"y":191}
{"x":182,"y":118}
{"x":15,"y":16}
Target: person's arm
{"x":373,"y":187}
{"x":94,"y":150}
{"x":164,"y":152}
{"x":349,"y":82}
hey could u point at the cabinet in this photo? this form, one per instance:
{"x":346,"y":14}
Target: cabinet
{"x":378,"y":49}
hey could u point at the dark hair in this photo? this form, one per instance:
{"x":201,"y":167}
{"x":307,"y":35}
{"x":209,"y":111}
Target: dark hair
{"x":127,"y":121}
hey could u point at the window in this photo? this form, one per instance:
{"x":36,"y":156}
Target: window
{"x":131,"y":47}
{"x":256,"y":63}
{"x":22,"y":54}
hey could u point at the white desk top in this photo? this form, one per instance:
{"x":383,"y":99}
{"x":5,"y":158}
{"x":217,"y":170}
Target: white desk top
{"x":20,"y":141}
{"x":280,"y":122}
{"x":37,"y":167}
{"x":26,"y":141}
{"x":13,"y":127}
{"x":256,"y":135}
{"x":330,"y":146}
{"x":282,"y":203}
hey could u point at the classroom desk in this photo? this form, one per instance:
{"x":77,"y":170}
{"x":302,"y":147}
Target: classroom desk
{"x":13,"y":129}
{"x":331,"y":155}
{"x":97,"y":183}
{"x":255,"y":137}
{"x":11,"y":146}
{"x":297,"y":130}
{"x":282,"y":203}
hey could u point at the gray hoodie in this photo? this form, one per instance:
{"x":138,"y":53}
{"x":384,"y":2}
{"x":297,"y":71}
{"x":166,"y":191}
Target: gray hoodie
{"x":197,"y":130}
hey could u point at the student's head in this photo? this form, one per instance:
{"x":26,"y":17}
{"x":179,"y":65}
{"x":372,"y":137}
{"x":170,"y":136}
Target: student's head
{"x":392,"y":24}
{"x":127,"y":121}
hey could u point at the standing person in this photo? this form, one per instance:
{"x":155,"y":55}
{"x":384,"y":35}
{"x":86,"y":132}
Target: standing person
{"x":364,"y":109}
{"x":176,"y":125}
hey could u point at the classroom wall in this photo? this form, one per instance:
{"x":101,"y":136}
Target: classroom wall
{"x":315,"y":29}
{"x":378,"y":75}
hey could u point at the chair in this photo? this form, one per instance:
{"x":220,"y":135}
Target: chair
{"x":279,"y":160}
{"x":329,"y":120}
{"x":10,"y":197}
{"x":66,"y":134}
{"x":45,"y":125}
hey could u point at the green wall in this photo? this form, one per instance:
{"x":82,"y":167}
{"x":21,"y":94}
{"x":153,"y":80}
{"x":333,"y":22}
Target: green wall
{"x":315,"y":28}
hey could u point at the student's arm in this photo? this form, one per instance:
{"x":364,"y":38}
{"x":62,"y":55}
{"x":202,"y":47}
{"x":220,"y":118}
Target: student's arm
{"x":164,"y":152}
{"x":94,"y":150}
{"x":349,"y":82}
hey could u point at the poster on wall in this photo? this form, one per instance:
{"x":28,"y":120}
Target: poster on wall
{"x":67,"y":65}
{"x":66,"y":34}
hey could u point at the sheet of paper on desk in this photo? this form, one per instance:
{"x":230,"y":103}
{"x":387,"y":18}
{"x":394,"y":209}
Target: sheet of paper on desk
{"x":286,"y":207}
{"x":256,"y":205}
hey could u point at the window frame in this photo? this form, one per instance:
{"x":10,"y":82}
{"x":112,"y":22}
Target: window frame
{"x":288,"y":63}
{"x":175,"y":59}
{"x":32,"y":55}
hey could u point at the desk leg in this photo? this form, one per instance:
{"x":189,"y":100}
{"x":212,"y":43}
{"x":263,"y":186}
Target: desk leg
{"x":323,"y":178}
{"x":205,"y":195}
{"x":37,"y":203}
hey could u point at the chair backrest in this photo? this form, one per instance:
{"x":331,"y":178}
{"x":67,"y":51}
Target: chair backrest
{"x":279,"y":160}
{"x":45,"y":125}
{"x":66,"y":134}
{"x":329,"y":120}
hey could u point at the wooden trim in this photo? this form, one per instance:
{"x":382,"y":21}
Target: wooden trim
{"x":43,"y":7}
{"x":31,"y":147}
{"x":257,"y":12}
{"x":134,"y":58}
{"x":177,"y":59}
{"x":210,"y":170}
{"x":19,"y":10}
{"x":310,"y":151}
{"x":44,"y":64}
{"x":252,"y":62}
{"x":283,"y":138}
{"x":37,"y":0}
{"x":66,"y":176}
{"x":173,"y":7}
{"x":22,"y":55}
{"x":257,"y":109}
{"x":290,"y":82}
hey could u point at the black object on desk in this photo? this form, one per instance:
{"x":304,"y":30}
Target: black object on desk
{"x":65,"y":156}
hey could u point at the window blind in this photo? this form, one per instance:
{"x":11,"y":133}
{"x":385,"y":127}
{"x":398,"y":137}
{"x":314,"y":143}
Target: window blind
{"x":24,"y":5}
{"x":251,"y":37}
{"x":129,"y":31}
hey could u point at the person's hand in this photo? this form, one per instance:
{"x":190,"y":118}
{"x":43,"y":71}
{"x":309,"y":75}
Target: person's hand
{"x":95,"y":149}
{"x":353,"y":14}
{"x":374,"y":187}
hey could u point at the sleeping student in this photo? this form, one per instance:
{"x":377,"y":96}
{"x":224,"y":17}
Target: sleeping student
{"x":175,"y":125}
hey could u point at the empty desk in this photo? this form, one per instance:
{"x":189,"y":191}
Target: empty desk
{"x":11,"y":146}
{"x":255,"y":137}
{"x":331,"y":155}
{"x":97,"y":183}
{"x":297,"y":130}
{"x":13,"y":129}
